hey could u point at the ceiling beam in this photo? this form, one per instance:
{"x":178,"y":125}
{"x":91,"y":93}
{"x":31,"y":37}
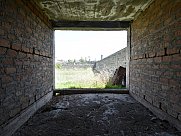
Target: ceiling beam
{"x":92,"y":25}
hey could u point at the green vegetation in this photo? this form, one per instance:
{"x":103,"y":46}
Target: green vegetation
{"x":77,"y":78}
{"x":58,"y":66}
{"x":80,"y":78}
{"x":111,"y":86}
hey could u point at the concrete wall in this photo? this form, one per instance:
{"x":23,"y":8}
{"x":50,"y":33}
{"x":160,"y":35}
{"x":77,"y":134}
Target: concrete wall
{"x":26,"y":63}
{"x":107,"y":66}
{"x":155,"y":65}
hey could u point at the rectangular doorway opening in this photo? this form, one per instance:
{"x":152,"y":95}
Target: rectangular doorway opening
{"x":90,"y":59}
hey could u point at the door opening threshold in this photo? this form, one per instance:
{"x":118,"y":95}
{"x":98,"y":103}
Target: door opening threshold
{"x":89,"y":91}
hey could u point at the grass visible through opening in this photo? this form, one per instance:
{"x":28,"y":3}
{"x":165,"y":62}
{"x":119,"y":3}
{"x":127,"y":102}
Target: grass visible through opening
{"x":111,"y":86}
{"x":80,"y":78}
{"x":77,"y":78}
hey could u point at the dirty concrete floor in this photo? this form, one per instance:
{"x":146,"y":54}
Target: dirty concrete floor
{"x":95,"y":115}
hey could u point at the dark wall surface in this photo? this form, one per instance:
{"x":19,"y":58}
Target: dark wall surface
{"x":26,"y":58}
{"x":155,"y":65}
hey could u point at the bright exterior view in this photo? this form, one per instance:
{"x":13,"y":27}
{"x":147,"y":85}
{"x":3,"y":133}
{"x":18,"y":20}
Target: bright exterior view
{"x":85,"y":59}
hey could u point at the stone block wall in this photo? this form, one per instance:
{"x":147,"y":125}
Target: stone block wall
{"x":155,"y":65}
{"x":26,"y":58}
{"x":107,"y":66}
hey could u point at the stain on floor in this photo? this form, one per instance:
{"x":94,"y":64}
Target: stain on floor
{"x":95,"y":115}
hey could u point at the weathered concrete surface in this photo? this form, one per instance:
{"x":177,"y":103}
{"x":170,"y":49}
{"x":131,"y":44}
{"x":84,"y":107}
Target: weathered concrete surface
{"x":106,"y":67}
{"x":89,"y":91}
{"x":95,"y":114}
{"x":93,"y":10}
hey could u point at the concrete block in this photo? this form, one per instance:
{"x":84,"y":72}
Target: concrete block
{"x":19,"y":120}
{"x":4,"y":43}
{"x":10,"y":70}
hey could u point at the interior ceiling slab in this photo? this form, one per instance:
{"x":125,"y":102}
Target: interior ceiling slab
{"x":92,"y":10}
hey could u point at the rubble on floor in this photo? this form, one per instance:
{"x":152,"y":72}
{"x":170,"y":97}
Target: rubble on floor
{"x":95,"y":115}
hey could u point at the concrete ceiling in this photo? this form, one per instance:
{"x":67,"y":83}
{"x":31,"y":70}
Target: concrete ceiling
{"x":92,"y":10}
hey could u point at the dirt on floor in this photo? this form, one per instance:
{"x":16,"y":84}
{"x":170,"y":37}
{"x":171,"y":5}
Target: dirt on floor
{"x":95,"y":115}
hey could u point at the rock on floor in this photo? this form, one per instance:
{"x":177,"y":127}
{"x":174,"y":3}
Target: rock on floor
{"x":95,"y":115}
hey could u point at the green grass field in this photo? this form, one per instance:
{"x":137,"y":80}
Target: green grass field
{"x":77,"y":78}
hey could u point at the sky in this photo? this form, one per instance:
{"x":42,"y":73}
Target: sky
{"x":70,"y":45}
